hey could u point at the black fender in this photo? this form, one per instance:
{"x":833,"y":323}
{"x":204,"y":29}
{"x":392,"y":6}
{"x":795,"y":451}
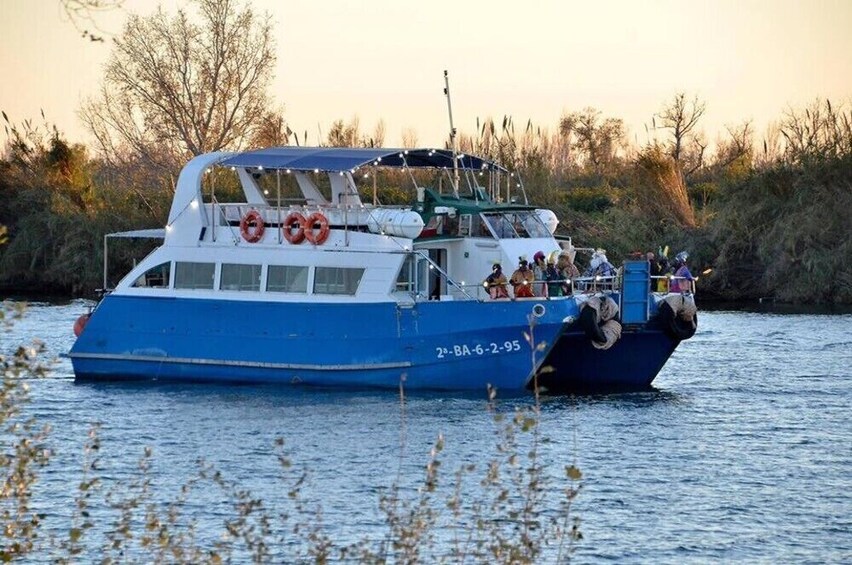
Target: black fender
{"x":674,"y":325}
{"x":590,"y":321}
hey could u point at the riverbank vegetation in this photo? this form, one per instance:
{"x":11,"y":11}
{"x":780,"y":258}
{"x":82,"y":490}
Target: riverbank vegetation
{"x":770,"y":220}
{"x":762,"y":215}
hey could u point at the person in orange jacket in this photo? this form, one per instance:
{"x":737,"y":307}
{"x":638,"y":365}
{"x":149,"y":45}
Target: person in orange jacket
{"x":522,"y":279}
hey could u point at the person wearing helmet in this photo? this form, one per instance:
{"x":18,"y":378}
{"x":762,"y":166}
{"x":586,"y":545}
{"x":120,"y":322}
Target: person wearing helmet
{"x":682,"y":281}
{"x":496,"y":283}
{"x":522,"y":279}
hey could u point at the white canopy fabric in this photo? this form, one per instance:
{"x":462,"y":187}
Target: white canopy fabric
{"x":155,"y":233}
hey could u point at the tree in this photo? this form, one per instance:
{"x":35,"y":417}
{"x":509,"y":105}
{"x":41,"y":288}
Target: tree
{"x":598,"y":140}
{"x":349,"y":134}
{"x":174,"y":89}
{"x":272,"y":131}
{"x":737,"y":147}
{"x":681,"y":116}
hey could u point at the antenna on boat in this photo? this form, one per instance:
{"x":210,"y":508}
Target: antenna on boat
{"x":452,"y":137}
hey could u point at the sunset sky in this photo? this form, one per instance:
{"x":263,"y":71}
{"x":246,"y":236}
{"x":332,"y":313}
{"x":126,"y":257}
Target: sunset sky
{"x":748,"y":59}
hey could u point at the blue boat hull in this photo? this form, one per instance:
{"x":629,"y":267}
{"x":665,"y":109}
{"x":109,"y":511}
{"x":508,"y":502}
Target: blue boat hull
{"x":431,"y":345}
{"x":631,"y":364}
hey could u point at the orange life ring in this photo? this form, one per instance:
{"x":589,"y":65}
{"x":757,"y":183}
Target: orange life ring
{"x":319,"y":237}
{"x":252,"y":227}
{"x":80,"y":324}
{"x":297,"y":220}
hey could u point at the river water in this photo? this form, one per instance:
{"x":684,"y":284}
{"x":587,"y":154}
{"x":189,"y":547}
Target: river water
{"x":743,"y":452}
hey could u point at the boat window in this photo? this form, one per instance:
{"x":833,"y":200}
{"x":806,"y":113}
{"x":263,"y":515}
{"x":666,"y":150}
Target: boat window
{"x":517,"y":224}
{"x":240,"y":277}
{"x":194,"y":275}
{"x":155,"y":277}
{"x":405,"y":279}
{"x":501,"y":225}
{"x":480,"y":227}
{"x":337,"y":280}
{"x":531,"y":224}
{"x":281,"y":278}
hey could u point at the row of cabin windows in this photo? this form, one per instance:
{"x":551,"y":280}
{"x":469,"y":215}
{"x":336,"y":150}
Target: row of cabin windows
{"x":237,"y":277}
{"x":503,"y":225}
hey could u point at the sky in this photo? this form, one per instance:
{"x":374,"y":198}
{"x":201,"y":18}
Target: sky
{"x":534,"y":60}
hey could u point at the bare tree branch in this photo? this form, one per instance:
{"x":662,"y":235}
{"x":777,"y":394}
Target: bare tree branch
{"x":174,"y":88}
{"x":81,"y":13}
{"x":680,"y":116}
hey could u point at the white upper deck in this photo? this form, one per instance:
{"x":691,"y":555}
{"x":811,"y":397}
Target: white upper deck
{"x":256,"y":249}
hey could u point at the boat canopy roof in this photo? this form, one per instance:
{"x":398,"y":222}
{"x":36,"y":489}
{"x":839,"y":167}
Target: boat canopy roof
{"x":155,"y":233}
{"x":341,"y":159}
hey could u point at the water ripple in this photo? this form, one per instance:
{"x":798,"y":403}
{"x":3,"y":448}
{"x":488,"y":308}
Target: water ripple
{"x":740,"y":453}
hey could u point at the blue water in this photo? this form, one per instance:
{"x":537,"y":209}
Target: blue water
{"x":742,"y":453}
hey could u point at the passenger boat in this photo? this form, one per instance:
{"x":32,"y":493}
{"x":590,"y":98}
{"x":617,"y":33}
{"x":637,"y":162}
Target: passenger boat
{"x":332,"y":288}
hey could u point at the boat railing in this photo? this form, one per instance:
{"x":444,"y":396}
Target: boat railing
{"x":433,"y":266}
{"x":662,"y":284}
{"x":220,"y":212}
{"x":575,"y":286}
{"x":597,"y":283}
{"x":345,"y":215}
{"x":232,"y":213}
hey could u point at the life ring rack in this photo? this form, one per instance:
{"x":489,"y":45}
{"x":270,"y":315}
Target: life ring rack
{"x":294,"y":220}
{"x":252,"y":226}
{"x":317,"y":237}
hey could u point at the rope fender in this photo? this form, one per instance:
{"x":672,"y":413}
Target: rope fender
{"x":679,"y":315}
{"x":597,"y":318}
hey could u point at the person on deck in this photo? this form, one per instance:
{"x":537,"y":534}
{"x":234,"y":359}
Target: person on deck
{"x":539,"y":274}
{"x":522,"y":279}
{"x":665,"y":271}
{"x":553,"y":276}
{"x":653,"y":265}
{"x":601,"y":269}
{"x":568,"y":271}
{"x":682,"y":281}
{"x":496,"y":282}
{"x":655,"y":270}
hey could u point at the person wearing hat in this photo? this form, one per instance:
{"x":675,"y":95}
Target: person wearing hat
{"x":522,"y":279}
{"x":601,"y":270}
{"x":496,"y":282}
{"x":682,"y":281}
{"x":554,"y":278}
{"x":568,"y":271}
{"x":539,"y":270}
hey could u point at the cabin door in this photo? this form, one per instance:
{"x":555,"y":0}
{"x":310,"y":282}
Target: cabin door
{"x":437,"y":284}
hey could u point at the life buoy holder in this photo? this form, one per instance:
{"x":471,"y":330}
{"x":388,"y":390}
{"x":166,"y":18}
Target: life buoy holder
{"x":294,"y":221}
{"x":252,"y":226}
{"x":318,"y":237}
